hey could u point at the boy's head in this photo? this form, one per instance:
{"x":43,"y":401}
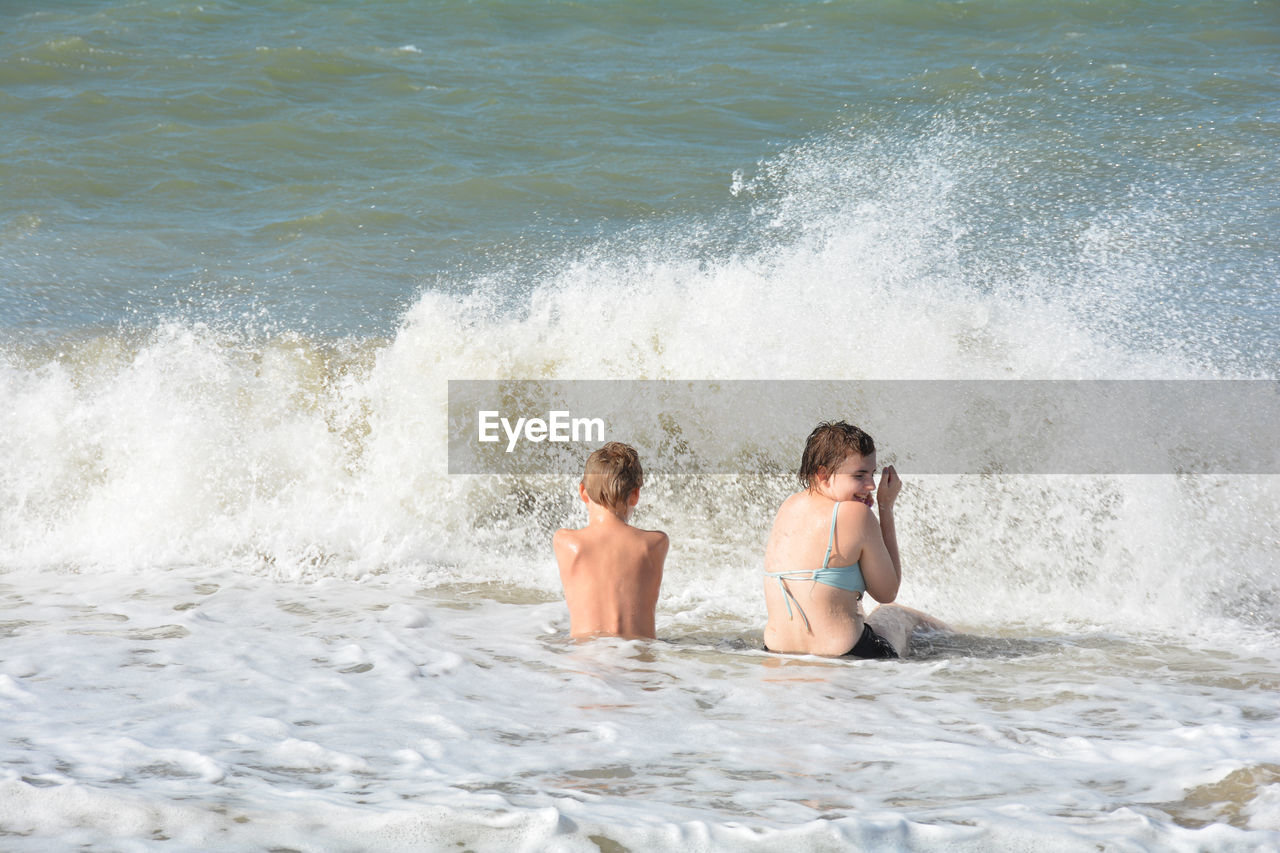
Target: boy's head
{"x":830,"y":444}
{"x":613,"y":472}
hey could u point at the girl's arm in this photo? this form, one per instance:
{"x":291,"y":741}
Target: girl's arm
{"x":886,"y":495}
{"x":881,"y":565}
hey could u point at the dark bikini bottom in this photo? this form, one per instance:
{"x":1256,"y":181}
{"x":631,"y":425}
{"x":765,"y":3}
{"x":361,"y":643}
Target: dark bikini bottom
{"x":869,"y":645}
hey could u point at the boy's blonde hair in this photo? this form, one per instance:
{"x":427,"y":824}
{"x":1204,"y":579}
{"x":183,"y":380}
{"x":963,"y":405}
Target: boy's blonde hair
{"x":613,"y":472}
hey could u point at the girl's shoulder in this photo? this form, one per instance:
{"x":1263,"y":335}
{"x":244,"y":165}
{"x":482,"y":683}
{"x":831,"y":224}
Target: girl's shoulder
{"x":799,"y":502}
{"x":853,"y":512}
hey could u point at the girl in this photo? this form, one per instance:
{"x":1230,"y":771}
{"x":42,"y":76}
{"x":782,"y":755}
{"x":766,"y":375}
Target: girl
{"x":827,"y":548}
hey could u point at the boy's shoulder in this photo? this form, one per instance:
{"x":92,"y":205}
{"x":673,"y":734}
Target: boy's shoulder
{"x":655,"y":541}
{"x":571,"y":538}
{"x":651,"y":535}
{"x":654,"y":535}
{"x":566,"y":536}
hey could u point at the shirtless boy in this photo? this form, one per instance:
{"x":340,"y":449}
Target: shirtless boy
{"x":610,"y":570}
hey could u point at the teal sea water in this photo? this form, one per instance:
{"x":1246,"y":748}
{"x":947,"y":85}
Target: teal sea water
{"x":245,"y":246}
{"x":325,"y":164}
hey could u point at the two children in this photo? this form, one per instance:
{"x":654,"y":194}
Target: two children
{"x":611,"y":571}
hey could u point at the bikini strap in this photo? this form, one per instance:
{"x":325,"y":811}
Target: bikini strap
{"x":787,"y":596}
{"x":831,"y":537}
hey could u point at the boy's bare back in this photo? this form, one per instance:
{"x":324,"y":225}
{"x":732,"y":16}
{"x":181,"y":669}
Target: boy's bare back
{"x":611,"y":574}
{"x":610,"y":570}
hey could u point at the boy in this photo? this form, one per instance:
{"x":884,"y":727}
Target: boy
{"x":610,"y":570}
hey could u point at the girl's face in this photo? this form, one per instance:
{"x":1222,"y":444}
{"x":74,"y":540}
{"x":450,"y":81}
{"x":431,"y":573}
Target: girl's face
{"x":853,"y":479}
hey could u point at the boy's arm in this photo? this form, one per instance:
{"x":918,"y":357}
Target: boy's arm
{"x":565,"y":546}
{"x":560,"y":545}
{"x":658,"y":547}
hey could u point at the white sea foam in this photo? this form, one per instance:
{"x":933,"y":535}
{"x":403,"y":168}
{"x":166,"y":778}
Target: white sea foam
{"x":305,"y":458}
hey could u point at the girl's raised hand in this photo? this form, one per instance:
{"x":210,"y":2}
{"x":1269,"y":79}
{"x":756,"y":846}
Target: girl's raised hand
{"x":890,"y":485}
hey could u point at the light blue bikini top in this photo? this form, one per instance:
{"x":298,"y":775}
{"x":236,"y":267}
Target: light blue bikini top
{"x":848,"y":578}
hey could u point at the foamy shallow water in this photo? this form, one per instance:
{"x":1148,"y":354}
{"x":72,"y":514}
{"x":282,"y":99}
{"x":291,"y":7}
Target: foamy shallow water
{"x":225,"y":710}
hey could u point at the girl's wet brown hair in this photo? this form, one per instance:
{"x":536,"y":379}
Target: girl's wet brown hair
{"x":613,"y":472}
{"x":830,"y":443}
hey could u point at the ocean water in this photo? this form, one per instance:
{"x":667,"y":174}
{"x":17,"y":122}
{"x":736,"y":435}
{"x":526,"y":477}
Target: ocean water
{"x":245,"y":247}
